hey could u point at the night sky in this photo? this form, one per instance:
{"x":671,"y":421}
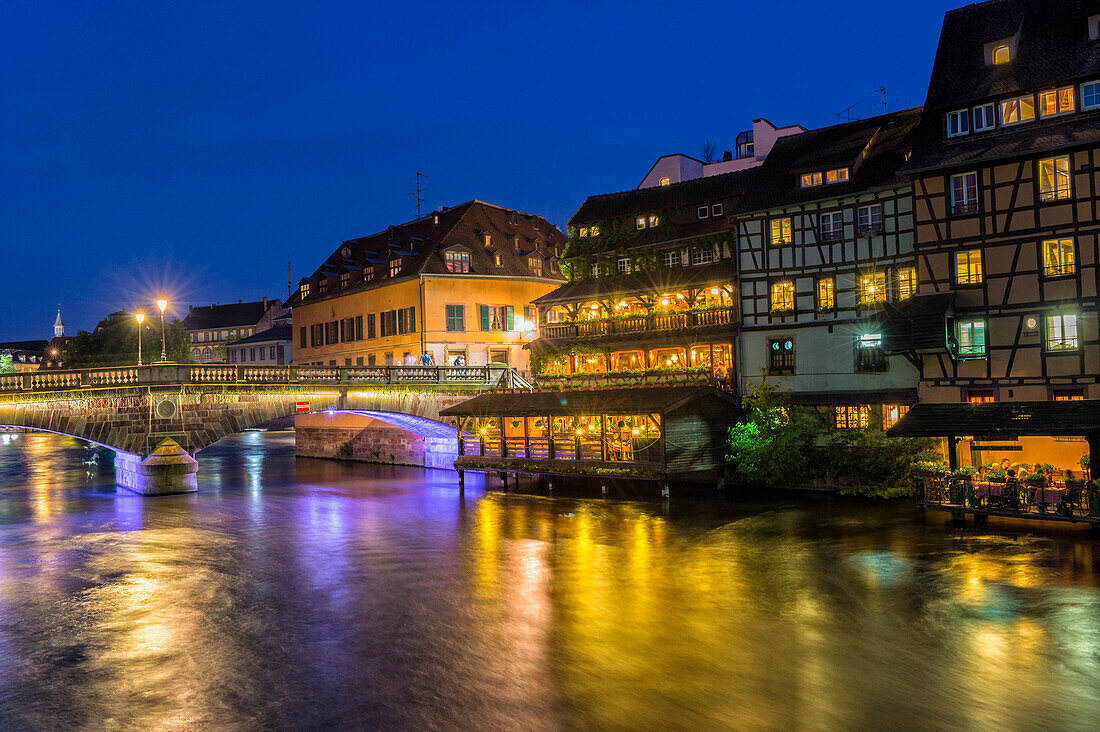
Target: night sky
{"x":190,"y":148}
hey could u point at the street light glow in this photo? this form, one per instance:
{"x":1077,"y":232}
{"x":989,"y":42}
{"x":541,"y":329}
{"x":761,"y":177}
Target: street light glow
{"x":140,"y":318}
{"x":163,"y":305}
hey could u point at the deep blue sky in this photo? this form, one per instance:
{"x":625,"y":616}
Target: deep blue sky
{"x":192,"y":147}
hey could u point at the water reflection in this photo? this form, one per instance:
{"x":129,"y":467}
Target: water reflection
{"x":309,"y":593}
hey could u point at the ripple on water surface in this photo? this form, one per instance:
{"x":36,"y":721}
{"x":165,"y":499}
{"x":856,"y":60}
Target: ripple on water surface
{"x":309,"y":593}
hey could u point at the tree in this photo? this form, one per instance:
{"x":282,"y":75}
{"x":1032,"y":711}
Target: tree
{"x":710,"y":151}
{"x":115,"y":343}
{"x":776,"y":444}
{"x":221,"y":353}
{"x":6,"y":364}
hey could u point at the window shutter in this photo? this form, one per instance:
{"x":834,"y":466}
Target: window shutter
{"x":509,"y":317}
{"x":484,"y":317}
{"x":400,"y":322}
{"x":412,"y":319}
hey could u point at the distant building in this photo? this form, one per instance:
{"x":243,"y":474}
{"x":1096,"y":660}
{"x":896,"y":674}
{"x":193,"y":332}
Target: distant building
{"x":25,"y":355}
{"x":456,"y":284}
{"x":271,"y":347}
{"x":212,"y":326}
{"x":750,"y":149}
{"x":53,"y":355}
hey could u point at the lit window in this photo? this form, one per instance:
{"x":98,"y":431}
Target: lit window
{"x":653,"y":221}
{"x":811,"y":179}
{"x":624,"y":266}
{"x":595,"y":269}
{"x":716,"y":209}
{"x":826,"y":293}
{"x":782,"y":297}
{"x":639,"y":223}
{"x":1068,"y":395}
{"x":836,"y":176}
{"x":498,"y":260}
{"x":964,"y":193}
{"x":583,"y":231}
{"x":958,"y":123}
{"x":1058,"y":257}
{"x":968,"y":267}
{"x":496,"y":315}
{"x":972,"y":339}
{"x":1061,"y":332}
{"x":1017,"y":110}
{"x":985,"y":118}
{"x":892,"y":414}
{"x":395,"y":267}
{"x":832,"y":225}
{"x":1002,"y":55}
{"x":594,"y":231}
{"x":703,"y":255}
{"x":980,"y":396}
{"x":907,"y":282}
{"x":781,"y":231}
{"x":665,"y":181}
{"x":781,"y":356}
{"x":345,"y":279}
{"x":303,"y":289}
{"x":869,"y":219}
{"x":457,"y":261}
{"x":1090,"y":95}
{"x":854,"y":417}
{"x":535,"y":265}
{"x":1054,"y":181}
{"x":870,"y":356}
{"x":872,"y":288}
{"x":671,"y":259}
{"x":1056,"y":101}
{"x":487,"y":239}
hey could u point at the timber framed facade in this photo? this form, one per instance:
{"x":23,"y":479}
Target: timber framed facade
{"x":825,"y":241}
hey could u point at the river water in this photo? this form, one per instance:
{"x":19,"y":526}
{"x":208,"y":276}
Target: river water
{"x":305,"y":593}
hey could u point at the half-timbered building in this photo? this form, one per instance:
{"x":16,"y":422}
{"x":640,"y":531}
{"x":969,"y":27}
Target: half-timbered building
{"x":825,"y":241}
{"x":1005,"y":173}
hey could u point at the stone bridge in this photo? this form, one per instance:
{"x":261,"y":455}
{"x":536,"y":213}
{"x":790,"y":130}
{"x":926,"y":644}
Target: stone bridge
{"x":156,"y":417}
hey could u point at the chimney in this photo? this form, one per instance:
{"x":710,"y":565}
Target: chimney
{"x":190,"y":308}
{"x":239,"y":301}
{"x":265,"y":303}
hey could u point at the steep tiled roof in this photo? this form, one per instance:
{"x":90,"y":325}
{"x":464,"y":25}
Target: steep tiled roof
{"x":1053,"y":48}
{"x":873,"y":149}
{"x":278,"y":333}
{"x":420,"y":245}
{"x":232,"y":315}
{"x":725,"y":187}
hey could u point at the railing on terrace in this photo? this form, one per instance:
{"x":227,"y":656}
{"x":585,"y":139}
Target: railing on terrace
{"x":662,"y":321}
{"x":639,"y":377}
{"x":41,"y":381}
{"x":1057,"y":501}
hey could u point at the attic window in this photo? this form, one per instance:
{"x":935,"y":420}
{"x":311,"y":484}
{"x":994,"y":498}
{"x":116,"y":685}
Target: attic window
{"x":345,"y":252}
{"x":395,"y":266}
{"x":368,"y":270}
{"x":1001,"y":51}
{"x":1002,"y":55}
{"x":488,"y":239}
{"x":303,"y":289}
{"x":345,"y":279}
{"x":1094,"y":28}
{"x":665,"y":181}
{"x":497,"y":259}
{"x":535,"y":265}
{"x":457,"y":261}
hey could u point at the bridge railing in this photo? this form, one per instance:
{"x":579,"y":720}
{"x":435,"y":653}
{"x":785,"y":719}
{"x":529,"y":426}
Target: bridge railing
{"x":174,"y":374}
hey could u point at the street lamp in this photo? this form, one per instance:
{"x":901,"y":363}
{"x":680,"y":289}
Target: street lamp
{"x":162,"y":304}
{"x":140,"y":319}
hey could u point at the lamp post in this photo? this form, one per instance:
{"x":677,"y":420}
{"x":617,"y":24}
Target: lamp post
{"x":140,"y":319}
{"x":163,"y":305}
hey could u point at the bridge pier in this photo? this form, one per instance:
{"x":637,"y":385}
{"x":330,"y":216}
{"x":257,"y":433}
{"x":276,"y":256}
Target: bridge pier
{"x":167,"y":471}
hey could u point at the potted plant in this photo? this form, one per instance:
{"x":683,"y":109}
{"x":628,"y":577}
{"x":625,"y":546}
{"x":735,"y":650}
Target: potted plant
{"x":962,"y":485}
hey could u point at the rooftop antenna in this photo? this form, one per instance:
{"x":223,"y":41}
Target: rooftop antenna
{"x":288,"y":290}
{"x":846,"y":113}
{"x":882,"y":90}
{"x":419,"y":198}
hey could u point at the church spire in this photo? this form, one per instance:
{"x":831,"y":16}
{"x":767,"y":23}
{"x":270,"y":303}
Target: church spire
{"x":58,"y":325}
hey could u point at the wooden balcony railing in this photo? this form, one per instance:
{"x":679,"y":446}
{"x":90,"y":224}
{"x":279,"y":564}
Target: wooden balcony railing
{"x":654,"y":322}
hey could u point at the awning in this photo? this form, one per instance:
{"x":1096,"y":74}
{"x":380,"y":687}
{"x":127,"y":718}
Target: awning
{"x":917,"y":324}
{"x":1007,"y":419}
{"x":642,"y":400}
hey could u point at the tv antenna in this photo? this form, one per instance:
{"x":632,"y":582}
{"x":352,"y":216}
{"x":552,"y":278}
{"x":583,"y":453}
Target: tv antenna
{"x":419,"y":197}
{"x":846,"y":113}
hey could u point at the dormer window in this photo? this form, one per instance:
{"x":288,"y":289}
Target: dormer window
{"x":1056,"y":101}
{"x":487,"y":238}
{"x":958,"y":123}
{"x":639,"y":223}
{"x":665,"y":181}
{"x":457,"y":261}
{"x":534,"y":263}
{"x":303,"y":290}
{"x":368,"y":271}
{"x":702,"y":212}
{"x":1001,"y":51}
{"x":1017,"y":110}
{"x":811,"y":179}
{"x":497,"y":259}
{"x":984,"y":118}
{"x":836,"y":176}
{"x":395,"y":267}
{"x":583,"y":231}
{"x":345,"y":279}
{"x":1094,"y":28}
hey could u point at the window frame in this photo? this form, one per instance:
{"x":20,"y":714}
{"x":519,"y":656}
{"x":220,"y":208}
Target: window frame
{"x":992,"y":117}
{"x":781,"y":356}
{"x":1020,"y":102}
{"x":701,"y":256}
{"x":1061,"y":268}
{"x":878,"y":289}
{"x":972,"y":353}
{"x":623,"y":265}
{"x":1066,"y":344}
{"x":955,"y":115}
{"x":673,"y":258}
{"x":1090,"y":84}
{"x":823,"y":286}
{"x":784,"y":287}
{"x":716,"y":210}
{"x":457,"y":261}
{"x":784,"y":227}
{"x":833,"y":233}
{"x":972,"y":279}
{"x":1055,"y":194}
{"x":907,"y":282}
{"x":855,"y":416}
{"x":870,"y":228}
{"x":968,"y":206}
{"x":702,"y":212}
{"x":1057,"y":92}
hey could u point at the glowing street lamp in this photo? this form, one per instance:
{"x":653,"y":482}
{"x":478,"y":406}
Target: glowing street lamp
{"x":140,"y":319}
{"x":163,"y":305}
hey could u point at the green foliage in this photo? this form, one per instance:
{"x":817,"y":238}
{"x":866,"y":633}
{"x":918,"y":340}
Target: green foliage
{"x":964,"y":472}
{"x":115,"y":343}
{"x":6,"y":364}
{"x":868,"y":463}
{"x":775,"y":444}
{"x":221,"y":353}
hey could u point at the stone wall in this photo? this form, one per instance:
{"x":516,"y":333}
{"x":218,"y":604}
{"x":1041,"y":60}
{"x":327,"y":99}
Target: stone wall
{"x":363,"y":439}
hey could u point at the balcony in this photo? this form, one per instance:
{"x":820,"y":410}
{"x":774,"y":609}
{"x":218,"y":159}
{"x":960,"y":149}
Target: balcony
{"x":660,"y":322}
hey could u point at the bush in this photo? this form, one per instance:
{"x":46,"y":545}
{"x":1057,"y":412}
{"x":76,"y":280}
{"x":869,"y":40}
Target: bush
{"x":868,"y":463}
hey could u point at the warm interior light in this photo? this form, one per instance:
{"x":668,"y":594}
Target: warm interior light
{"x":664,"y":301}
{"x":714,"y":290}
